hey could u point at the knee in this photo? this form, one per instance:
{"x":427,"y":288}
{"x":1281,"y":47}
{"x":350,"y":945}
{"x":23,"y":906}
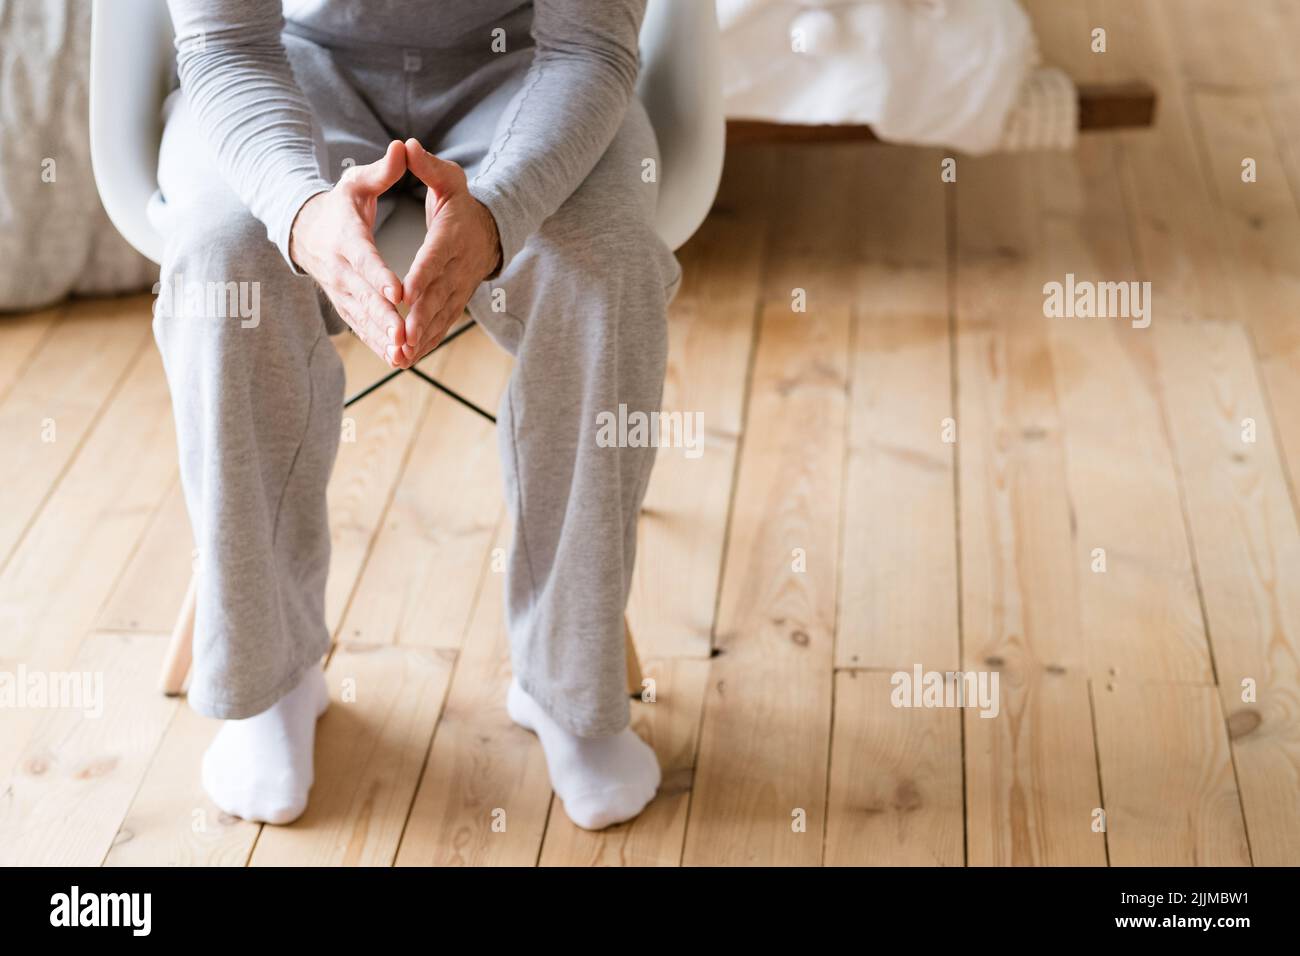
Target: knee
{"x":220,"y":271}
{"x":620,"y":261}
{"x":630,"y":252}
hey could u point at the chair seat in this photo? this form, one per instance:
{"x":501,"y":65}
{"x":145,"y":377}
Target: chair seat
{"x":401,"y":234}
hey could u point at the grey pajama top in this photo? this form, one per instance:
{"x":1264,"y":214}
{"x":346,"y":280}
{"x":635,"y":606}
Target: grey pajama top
{"x":258,"y":123}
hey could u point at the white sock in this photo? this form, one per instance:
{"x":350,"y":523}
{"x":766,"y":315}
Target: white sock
{"x":600,"y":780}
{"x":261,"y":768}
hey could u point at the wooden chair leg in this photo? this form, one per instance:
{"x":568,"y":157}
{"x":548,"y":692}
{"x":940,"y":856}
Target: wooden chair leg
{"x":634,"y":687}
{"x":180,"y":650}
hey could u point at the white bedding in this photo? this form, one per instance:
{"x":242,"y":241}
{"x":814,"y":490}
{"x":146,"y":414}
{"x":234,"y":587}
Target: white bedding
{"x":55,"y":237}
{"x":938,"y":72}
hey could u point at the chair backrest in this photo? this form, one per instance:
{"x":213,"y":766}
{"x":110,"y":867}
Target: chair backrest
{"x":132,"y":61}
{"x":681,"y":87}
{"x":131,"y":64}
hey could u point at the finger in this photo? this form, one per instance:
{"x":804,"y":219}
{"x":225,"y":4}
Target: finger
{"x":440,"y":325}
{"x":373,"y":305}
{"x":439,"y":175}
{"x":377,"y":321}
{"x":356,"y":323}
{"x":362,"y":330}
{"x":422,"y":313}
{"x":431,"y":261}
{"x":440,"y":321}
{"x":380,"y":176}
{"x":364,"y":258}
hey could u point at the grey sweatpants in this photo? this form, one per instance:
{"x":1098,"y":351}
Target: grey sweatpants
{"x":258,"y":406}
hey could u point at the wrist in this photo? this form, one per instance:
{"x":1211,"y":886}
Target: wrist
{"x":302,"y":227}
{"x":493,"y":240}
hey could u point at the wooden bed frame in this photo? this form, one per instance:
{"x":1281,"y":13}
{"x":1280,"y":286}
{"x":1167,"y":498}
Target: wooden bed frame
{"x":1104,"y":107}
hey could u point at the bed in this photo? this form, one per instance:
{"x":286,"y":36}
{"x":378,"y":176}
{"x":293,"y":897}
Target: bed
{"x":963,"y":74}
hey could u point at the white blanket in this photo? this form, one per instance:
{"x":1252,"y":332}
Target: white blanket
{"x":937,"y":72}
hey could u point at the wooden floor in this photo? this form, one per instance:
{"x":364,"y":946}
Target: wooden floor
{"x":918,"y":470}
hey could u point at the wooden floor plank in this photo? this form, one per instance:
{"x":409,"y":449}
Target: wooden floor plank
{"x":1019,"y":592}
{"x":898,"y":602}
{"x":1247,"y":542}
{"x":671,"y":725}
{"x":55,"y":584}
{"x":1183,"y":251}
{"x":1014,"y":513}
{"x":761,"y":790}
{"x":50,"y":409}
{"x":52,"y":590}
{"x":1032,"y":791}
{"x":1019,"y":575}
{"x":1281,"y":372}
{"x":711,"y":324}
{"x":1141,"y":615}
{"x":1130,"y":207}
{"x":1262,"y":222}
{"x":484,"y":795}
{"x":376,"y":437}
{"x":1166,"y":771}
{"x":418,"y":584}
{"x":1259,"y":219}
{"x":77,"y":775}
{"x":896,"y":779}
{"x":171,"y":821}
{"x":1281,"y":377}
{"x":21,"y":337}
{"x":1229,"y":46}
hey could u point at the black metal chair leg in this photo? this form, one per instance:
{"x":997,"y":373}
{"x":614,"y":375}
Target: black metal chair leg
{"x":373,"y":386}
{"x":456,"y":395}
{"x":451,"y":337}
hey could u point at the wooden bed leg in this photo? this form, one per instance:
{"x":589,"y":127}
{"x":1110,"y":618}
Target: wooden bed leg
{"x":180,"y":650}
{"x":633,"y":665}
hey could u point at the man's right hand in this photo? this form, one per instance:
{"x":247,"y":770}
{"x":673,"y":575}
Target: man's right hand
{"x":333,"y":241}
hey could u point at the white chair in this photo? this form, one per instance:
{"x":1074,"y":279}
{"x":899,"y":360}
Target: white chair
{"x":132,"y":69}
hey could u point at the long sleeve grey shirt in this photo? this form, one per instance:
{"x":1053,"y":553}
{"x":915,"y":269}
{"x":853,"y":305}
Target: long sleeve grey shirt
{"x":257,"y":122}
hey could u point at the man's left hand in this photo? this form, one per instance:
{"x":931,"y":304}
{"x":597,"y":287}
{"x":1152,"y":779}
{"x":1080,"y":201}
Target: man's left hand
{"x":461,"y":248}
